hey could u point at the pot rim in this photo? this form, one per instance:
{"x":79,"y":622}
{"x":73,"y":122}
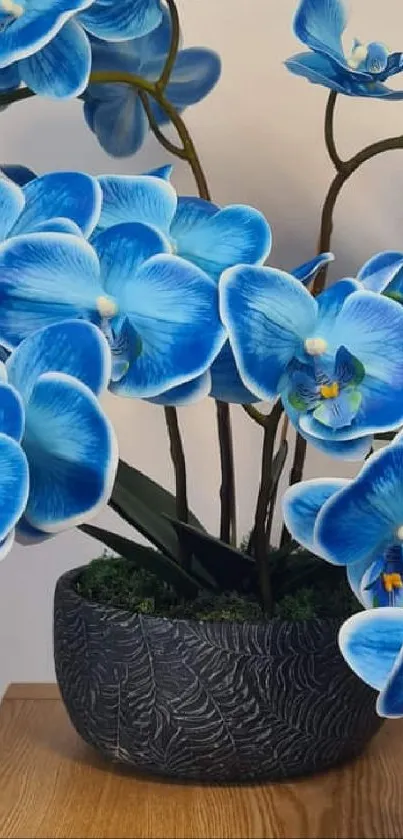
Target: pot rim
{"x":67,"y":580}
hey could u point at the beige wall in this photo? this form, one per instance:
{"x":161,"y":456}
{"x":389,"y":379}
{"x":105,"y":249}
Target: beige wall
{"x":260,"y":139}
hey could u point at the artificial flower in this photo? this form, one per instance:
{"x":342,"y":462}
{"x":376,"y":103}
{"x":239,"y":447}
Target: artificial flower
{"x":114,"y":111}
{"x":14,"y":476}
{"x":58,"y":201}
{"x":336,"y":361}
{"x":358,"y":524}
{"x":47,"y":46}
{"x":159,"y":312}
{"x":56,"y":376}
{"x":320,"y":24}
{"x":372,"y":645}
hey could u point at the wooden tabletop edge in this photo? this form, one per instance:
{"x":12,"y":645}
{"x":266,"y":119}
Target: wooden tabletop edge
{"x":32,"y":690}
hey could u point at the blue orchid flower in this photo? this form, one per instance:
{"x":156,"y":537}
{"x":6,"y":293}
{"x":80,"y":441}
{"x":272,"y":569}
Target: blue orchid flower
{"x":158,"y":311}
{"x":47,"y":46}
{"x":372,"y":645}
{"x":223,"y":381}
{"x":336,"y":361}
{"x":67,"y":202}
{"x":55,"y":378}
{"x":320,"y":24}
{"x":115,"y":113}
{"x":210,"y":237}
{"x":383,"y":273}
{"x":358,"y":524}
{"x":14,"y":475}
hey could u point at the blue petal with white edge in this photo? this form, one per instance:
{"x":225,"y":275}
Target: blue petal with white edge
{"x":61,"y":69}
{"x":150,"y":200}
{"x":355,"y":449}
{"x":58,"y":225}
{"x":320,"y":25}
{"x":185,"y":394}
{"x":330,"y":304}
{"x":129,"y":19}
{"x":72,"y":453}
{"x":318,"y":69}
{"x":196,"y":71}
{"x":121,"y":250}
{"x":226,"y":383}
{"x":364,"y":517}
{"x":72,"y":347}
{"x":172,"y":308}
{"x":72,"y":195}
{"x":14,"y":484}
{"x":21,"y":175}
{"x":371,"y":643}
{"x":380,"y":270}
{"x":118,"y":119}
{"x":12,"y":203}
{"x":268,"y":315}
{"x":301,"y":504}
{"x":308,"y":270}
{"x":6,"y":544}
{"x":216,"y":241}
{"x":390,"y":700}
{"x":46,"y":278}
{"x":27,"y":535}
{"x":32,"y":30}
{"x":12,"y":418}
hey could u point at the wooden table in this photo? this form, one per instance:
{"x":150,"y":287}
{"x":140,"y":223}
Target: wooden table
{"x":53,"y":785}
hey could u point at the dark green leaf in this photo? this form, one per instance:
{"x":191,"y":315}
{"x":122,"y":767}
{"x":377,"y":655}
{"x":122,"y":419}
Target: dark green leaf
{"x":145,"y":505}
{"x":163,"y":567}
{"x":232,"y":569}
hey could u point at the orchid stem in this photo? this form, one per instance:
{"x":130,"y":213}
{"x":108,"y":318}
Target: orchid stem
{"x":265,"y":490}
{"x":345,"y":169}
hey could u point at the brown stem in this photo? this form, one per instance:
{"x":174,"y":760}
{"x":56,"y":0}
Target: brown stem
{"x":329,"y":131}
{"x":160,"y":136}
{"x":345,"y":170}
{"x":227,"y":493}
{"x":265,"y":489}
{"x":178,"y":459}
{"x":173,"y":48}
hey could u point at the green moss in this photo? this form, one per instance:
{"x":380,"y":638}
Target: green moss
{"x":117,"y":582}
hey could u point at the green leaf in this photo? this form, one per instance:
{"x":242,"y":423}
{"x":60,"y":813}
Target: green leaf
{"x":232,"y":569}
{"x":166,"y":569}
{"x":146,"y":505}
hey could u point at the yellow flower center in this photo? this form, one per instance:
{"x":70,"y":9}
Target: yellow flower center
{"x":12,"y":8}
{"x":392,"y":581}
{"x":330,"y":391}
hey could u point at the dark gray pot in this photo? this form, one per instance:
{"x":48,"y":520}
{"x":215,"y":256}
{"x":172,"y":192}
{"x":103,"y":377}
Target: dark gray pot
{"x":208,"y":701}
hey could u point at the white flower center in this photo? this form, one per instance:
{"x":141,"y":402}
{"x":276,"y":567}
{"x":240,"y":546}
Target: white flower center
{"x":315,"y":346}
{"x":107,"y":307}
{"x":399,"y":532}
{"x":358,"y":55}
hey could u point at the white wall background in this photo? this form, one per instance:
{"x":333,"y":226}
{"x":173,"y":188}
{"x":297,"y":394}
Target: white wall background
{"x":260,"y":139}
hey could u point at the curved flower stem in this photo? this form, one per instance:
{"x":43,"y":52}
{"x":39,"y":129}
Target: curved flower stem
{"x":265,"y":490}
{"x":329,"y":131}
{"x":254,"y":414}
{"x":189,"y":153}
{"x":160,"y":136}
{"x":345,"y":170}
{"x":178,"y":459}
{"x":173,"y":49}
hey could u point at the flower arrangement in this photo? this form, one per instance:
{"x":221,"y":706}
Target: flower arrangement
{"x":117,"y":282}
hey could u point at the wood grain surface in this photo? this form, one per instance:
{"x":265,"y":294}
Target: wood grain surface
{"x":52,"y":785}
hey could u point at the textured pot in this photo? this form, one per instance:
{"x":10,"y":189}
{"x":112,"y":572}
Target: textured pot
{"x":217,"y":701}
